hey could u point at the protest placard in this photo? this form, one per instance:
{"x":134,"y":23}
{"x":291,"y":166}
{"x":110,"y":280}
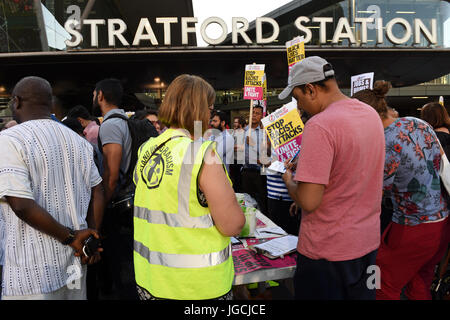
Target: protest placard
{"x":285,"y":128}
{"x":253,"y":82}
{"x":295,"y":49}
{"x":263,"y":102}
{"x":361,"y":82}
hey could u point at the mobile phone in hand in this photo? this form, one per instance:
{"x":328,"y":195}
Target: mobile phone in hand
{"x":91,"y":246}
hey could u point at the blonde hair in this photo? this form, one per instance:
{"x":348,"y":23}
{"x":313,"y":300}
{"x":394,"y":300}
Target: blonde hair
{"x":187,"y":100}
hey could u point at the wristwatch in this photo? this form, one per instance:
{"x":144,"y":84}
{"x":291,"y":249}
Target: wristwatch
{"x":70,"y":237}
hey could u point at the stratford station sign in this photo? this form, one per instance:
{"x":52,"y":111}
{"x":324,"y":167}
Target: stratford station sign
{"x":145,"y":36}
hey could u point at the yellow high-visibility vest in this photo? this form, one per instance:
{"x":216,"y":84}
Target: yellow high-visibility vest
{"x":178,"y":251}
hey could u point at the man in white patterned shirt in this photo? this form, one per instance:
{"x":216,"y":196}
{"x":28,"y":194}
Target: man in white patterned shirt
{"x":50,"y":192}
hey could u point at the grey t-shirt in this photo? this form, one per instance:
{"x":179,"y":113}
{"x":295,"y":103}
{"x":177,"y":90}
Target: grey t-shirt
{"x":116,"y":131}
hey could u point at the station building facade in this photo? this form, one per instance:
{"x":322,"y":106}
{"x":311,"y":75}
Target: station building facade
{"x":146,"y":44}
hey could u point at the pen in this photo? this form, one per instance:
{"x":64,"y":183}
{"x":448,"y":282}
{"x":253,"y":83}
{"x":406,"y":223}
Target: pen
{"x":271,"y":232}
{"x":296,"y":154}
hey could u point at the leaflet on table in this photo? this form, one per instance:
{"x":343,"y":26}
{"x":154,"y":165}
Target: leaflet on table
{"x":279,"y":246}
{"x":284,"y":128}
{"x":269,"y":232}
{"x":253,"y":82}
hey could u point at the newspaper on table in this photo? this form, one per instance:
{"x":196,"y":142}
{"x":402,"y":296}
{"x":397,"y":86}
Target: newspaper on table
{"x":361,"y":82}
{"x":284,"y":127}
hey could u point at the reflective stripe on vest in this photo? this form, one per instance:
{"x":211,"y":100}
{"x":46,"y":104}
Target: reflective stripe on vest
{"x":182,"y":260}
{"x":173,"y":220}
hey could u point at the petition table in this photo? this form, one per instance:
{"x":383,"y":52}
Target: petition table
{"x":251,"y":267}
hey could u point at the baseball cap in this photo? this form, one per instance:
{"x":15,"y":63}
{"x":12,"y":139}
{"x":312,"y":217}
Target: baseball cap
{"x":308,"y":70}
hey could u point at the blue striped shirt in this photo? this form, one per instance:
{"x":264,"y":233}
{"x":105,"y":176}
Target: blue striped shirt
{"x":276,"y":189}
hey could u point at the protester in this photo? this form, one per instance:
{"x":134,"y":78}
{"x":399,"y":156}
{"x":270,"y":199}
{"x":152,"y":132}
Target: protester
{"x":239,"y":156}
{"x":279,"y":203}
{"x":76,"y":126}
{"x":392,"y":112}
{"x":225,"y":141}
{"x":53,"y":193}
{"x":88,"y":122}
{"x":151,"y":115}
{"x":116,"y":140}
{"x":337,"y":185}
{"x":185,"y":208}
{"x":73,"y":124}
{"x":253,"y":178}
{"x":437,"y":117}
{"x":415,"y":241}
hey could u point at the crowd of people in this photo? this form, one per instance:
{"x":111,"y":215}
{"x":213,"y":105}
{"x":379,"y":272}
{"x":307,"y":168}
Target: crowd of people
{"x":364,"y":191}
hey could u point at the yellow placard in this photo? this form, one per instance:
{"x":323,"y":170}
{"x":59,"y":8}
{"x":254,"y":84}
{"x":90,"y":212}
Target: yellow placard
{"x":253,"y":78}
{"x":296,"y":53}
{"x":284,"y":128}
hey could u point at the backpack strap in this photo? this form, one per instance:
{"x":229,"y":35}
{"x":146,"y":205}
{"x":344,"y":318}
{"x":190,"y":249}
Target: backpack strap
{"x":114,"y":115}
{"x":123,"y":175}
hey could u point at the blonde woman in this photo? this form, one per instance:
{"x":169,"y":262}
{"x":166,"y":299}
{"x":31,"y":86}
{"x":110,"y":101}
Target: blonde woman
{"x":185,"y":207}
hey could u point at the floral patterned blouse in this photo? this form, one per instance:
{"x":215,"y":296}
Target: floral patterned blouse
{"x":411,"y":172}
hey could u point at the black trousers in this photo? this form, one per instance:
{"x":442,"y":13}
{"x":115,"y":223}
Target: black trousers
{"x":334,"y":280}
{"x":255,"y":185}
{"x":117,"y":257}
{"x":278,"y":212}
{"x":236,"y":178}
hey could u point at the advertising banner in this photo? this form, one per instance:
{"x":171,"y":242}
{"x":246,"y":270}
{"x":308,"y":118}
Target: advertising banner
{"x":253,"y":82}
{"x":284,"y":128}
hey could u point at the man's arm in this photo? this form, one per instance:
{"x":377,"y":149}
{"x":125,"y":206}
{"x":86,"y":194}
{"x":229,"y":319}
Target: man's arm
{"x":307,"y":196}
{"x":96,"y":207}
{"x":112,"y":156}
{"x":38,"y":218}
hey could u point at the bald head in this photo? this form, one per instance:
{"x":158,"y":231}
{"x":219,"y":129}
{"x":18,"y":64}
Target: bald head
{"x":32,"y":99}
{"x":35,"y":91}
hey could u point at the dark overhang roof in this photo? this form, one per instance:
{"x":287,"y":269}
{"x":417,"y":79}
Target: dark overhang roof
{"x":224,"y":66}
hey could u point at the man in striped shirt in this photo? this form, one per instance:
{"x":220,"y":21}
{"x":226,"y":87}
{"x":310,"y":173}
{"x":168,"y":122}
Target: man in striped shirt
{"x":280,"y":207}
{"x":50,"y":193}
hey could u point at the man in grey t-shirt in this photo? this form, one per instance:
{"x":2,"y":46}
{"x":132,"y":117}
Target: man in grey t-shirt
{"x":116,"y":142}
{"x":116,"y":139}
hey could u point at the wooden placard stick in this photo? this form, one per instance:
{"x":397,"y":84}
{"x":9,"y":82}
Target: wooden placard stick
{"x":250,"y":120}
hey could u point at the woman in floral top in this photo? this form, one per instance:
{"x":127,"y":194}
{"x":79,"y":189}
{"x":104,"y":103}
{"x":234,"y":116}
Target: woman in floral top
{"x":415,"y":240}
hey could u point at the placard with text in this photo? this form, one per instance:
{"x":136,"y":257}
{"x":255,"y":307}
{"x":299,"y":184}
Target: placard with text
{"x":253,"y":82}
{"x":295,"y":49}
{"x":285,"y":128}
{"x":361,"y":82}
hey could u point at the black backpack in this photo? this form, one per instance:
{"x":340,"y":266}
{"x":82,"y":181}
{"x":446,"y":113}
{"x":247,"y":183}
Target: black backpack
{"x":140,"y":131}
